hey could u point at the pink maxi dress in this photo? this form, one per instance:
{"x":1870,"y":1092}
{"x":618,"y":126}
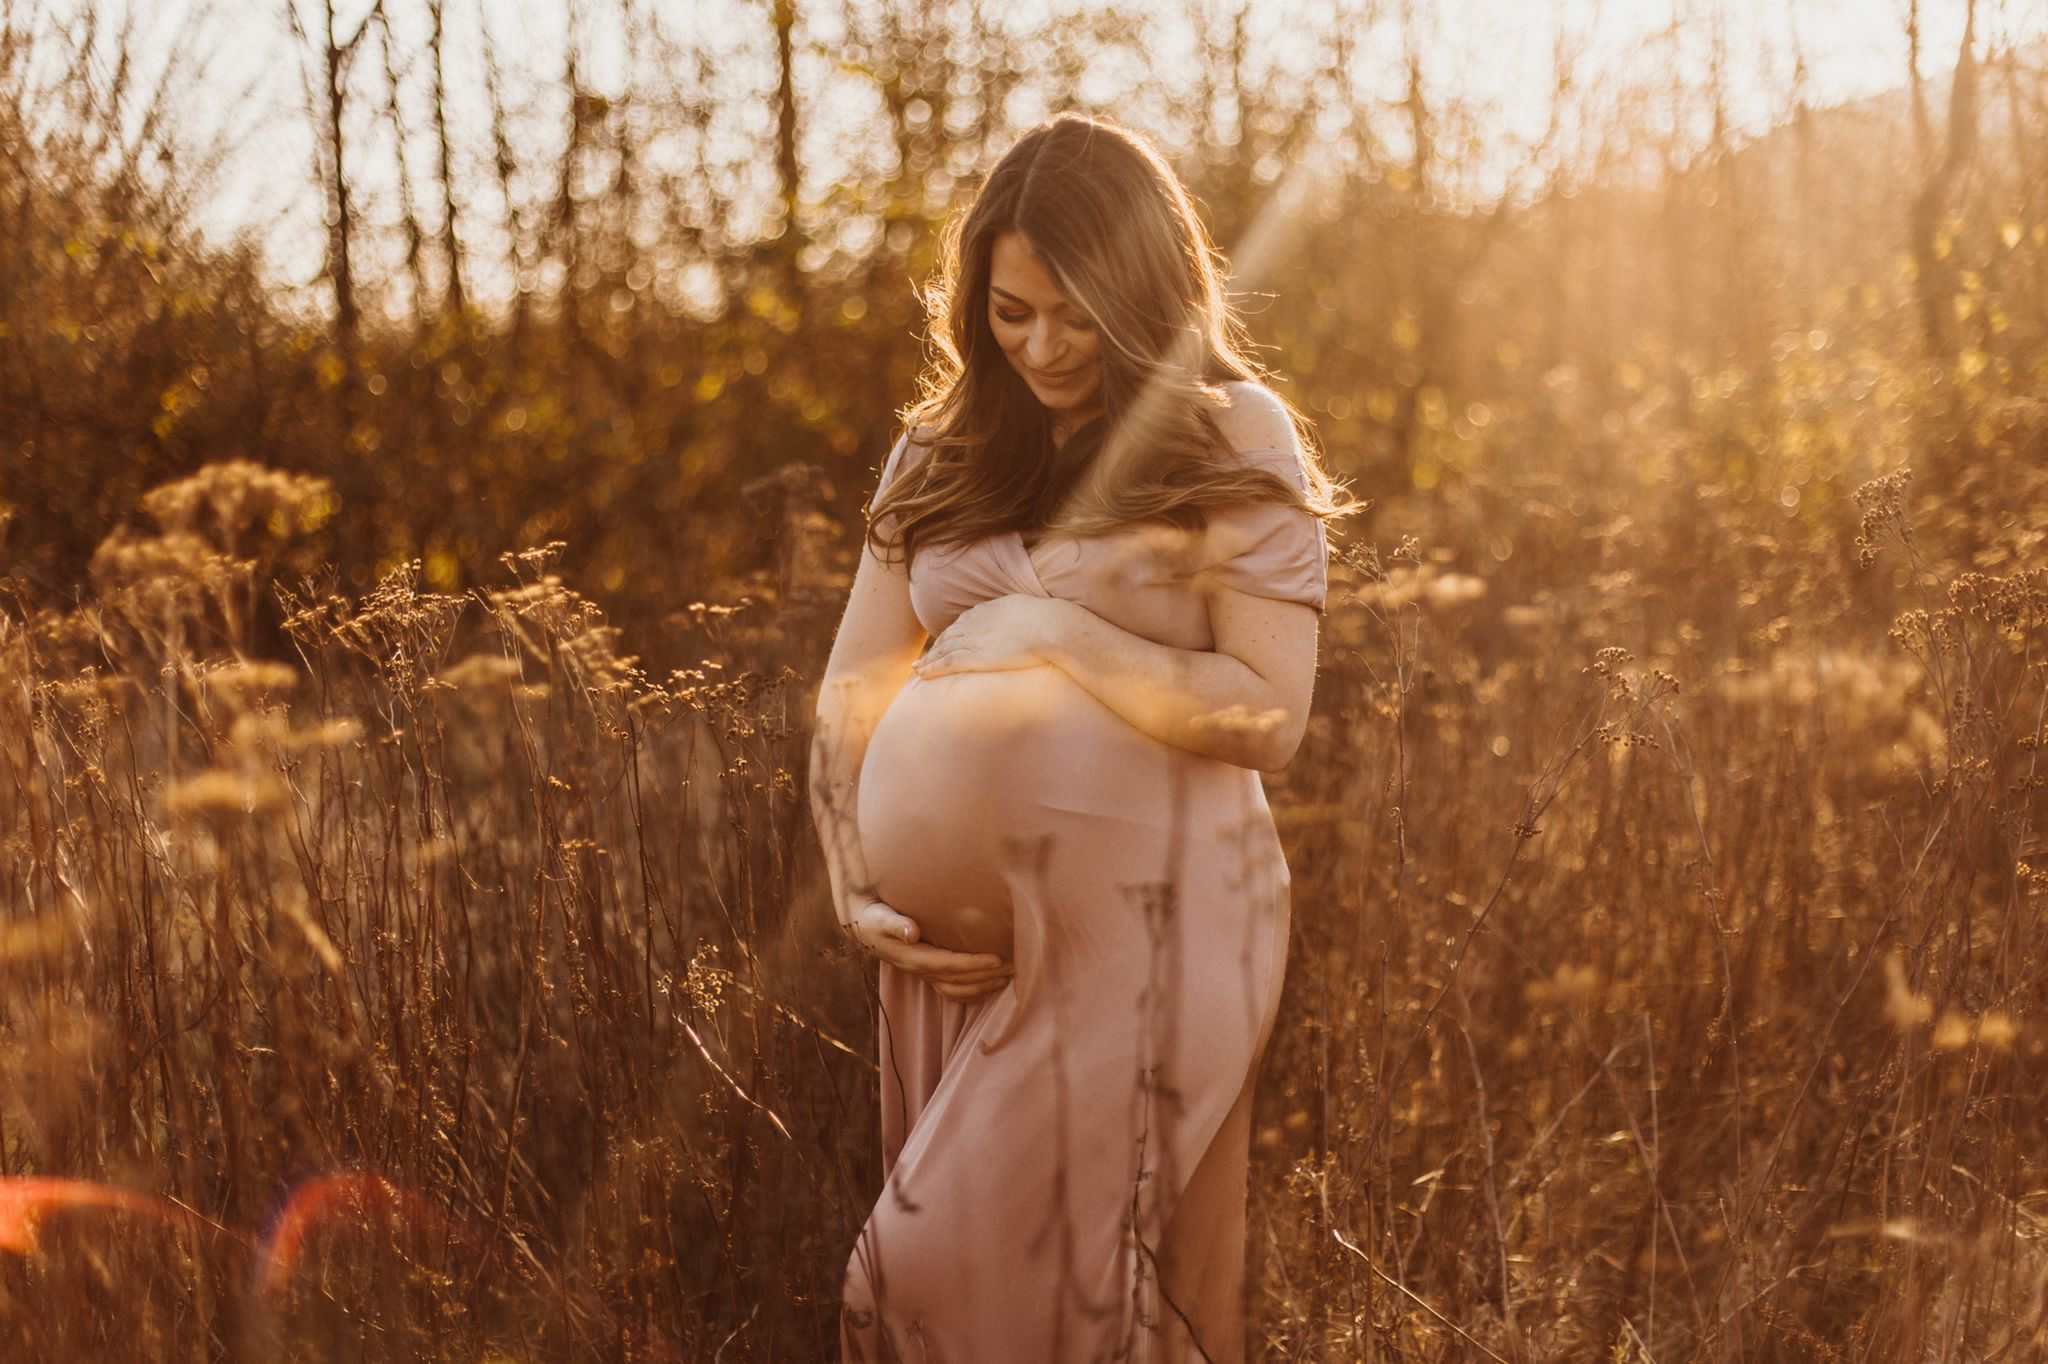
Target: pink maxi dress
{"x":1065,"y":1160}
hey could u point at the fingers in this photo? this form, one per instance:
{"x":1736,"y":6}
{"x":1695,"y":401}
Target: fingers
{"x":954,"y":649}
{"x":937,"y":662}
{"x":970,"y":986}
{"x":968,"y":659}
{"x":895,"y":938}
{"x":877,"y":923}
{"x":959,"y":976}
{"x":938,"y":964}
{"x":967,"y":994}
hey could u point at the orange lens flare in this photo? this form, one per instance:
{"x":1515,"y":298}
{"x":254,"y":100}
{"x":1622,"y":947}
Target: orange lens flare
{"x":358,"y":1199}
{"x":26,"y":1200}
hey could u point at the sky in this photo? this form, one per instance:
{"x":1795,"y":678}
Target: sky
{"x":243,"y":84}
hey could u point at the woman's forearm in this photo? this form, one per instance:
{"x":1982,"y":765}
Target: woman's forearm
{"x":834,"y":784}
{"x":1205,"y":702}
{"x":847,"y":712}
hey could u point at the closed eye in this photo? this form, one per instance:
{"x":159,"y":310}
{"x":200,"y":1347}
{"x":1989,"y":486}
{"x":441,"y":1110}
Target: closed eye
{"x":1077,"y":321}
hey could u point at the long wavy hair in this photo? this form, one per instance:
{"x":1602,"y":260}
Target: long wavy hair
{"x":1120,"y":235}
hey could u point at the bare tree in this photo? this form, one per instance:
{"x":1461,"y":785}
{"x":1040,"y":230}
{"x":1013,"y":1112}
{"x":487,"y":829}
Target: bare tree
{"x":1445,"y":240}
{"x":408,"y":212}
{"x":331,"y":56}
{"x":788,"y":172}
{"x":563,"y":232}
{"x":506,"y":167}
{"x":1933,"y":257}
{"x":451,"y":242}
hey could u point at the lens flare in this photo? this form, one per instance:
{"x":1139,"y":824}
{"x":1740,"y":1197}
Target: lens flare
{"x":26,"y":1200}
{"x":359,"y":1200}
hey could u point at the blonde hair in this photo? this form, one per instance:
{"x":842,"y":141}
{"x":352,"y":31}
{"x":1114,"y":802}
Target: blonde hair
{"x":1120,"y":235}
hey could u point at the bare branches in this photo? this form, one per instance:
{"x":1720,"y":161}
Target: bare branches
{"x":328,"y":56}
{"x":451,"y":242}
{"x":1930,"y":234}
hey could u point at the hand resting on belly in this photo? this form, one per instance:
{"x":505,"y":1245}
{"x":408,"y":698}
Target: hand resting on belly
{"x":893,"y":937}
{"x":997,"y":635}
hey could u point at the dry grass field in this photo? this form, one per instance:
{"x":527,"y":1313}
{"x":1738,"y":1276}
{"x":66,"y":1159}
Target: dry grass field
{"x":413,"y":940}
{"x":456,"y":989}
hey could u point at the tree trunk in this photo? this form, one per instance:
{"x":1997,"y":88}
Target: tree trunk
{"x":456,"y":300}
{"x":340,"y":253}
{"x":506,"y":167}
{"x":788,"y":171}
{"x":564,"y":232}
{"x":408,"y":210}
{"x":1933,"y":261}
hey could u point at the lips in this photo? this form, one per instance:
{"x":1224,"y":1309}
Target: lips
{"x":1063,"y":377}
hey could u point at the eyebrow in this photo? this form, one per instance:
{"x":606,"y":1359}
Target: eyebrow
{"x":1009,"y":297}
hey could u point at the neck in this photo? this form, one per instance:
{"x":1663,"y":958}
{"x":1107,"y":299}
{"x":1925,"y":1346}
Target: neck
{"x":1064,"y":425}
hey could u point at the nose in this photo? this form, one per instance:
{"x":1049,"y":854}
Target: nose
{"x":1042,"y":346}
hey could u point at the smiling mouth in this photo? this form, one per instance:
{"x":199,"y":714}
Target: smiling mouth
{"x":1062,"y":377}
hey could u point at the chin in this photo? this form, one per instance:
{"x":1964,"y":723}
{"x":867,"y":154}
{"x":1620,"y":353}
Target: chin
{"x":1061,"y":399}
{"x":1064,"y":402}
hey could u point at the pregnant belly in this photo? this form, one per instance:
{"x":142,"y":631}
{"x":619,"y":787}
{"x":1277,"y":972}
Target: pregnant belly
{"x":967,"y":775}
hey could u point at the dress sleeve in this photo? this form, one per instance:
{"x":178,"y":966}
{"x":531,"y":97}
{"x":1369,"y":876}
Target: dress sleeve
{"x":902,"y":456}
{"x":1269,"y":549}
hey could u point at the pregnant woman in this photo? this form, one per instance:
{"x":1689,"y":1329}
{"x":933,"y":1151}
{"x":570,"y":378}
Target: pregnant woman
{"x":1050,"y":828}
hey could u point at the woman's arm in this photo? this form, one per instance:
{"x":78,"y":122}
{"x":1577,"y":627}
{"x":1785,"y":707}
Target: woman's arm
{"x":1245,"y":703}
{"x":878,"y":637}
{"x":871,"y":655}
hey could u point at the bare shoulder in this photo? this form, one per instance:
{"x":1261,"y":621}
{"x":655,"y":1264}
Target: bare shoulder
{"x":1255,"y":418}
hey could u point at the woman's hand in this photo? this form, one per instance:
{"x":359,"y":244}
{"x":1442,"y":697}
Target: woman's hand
{"x":998,"y":635}
{"x":893,"y":937}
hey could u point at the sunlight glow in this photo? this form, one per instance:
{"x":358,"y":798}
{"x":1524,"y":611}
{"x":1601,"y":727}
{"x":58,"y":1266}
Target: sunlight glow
{"x":1493,"y":67}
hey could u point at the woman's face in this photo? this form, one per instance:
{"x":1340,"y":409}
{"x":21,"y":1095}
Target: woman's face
{"x":1049,"y":341}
